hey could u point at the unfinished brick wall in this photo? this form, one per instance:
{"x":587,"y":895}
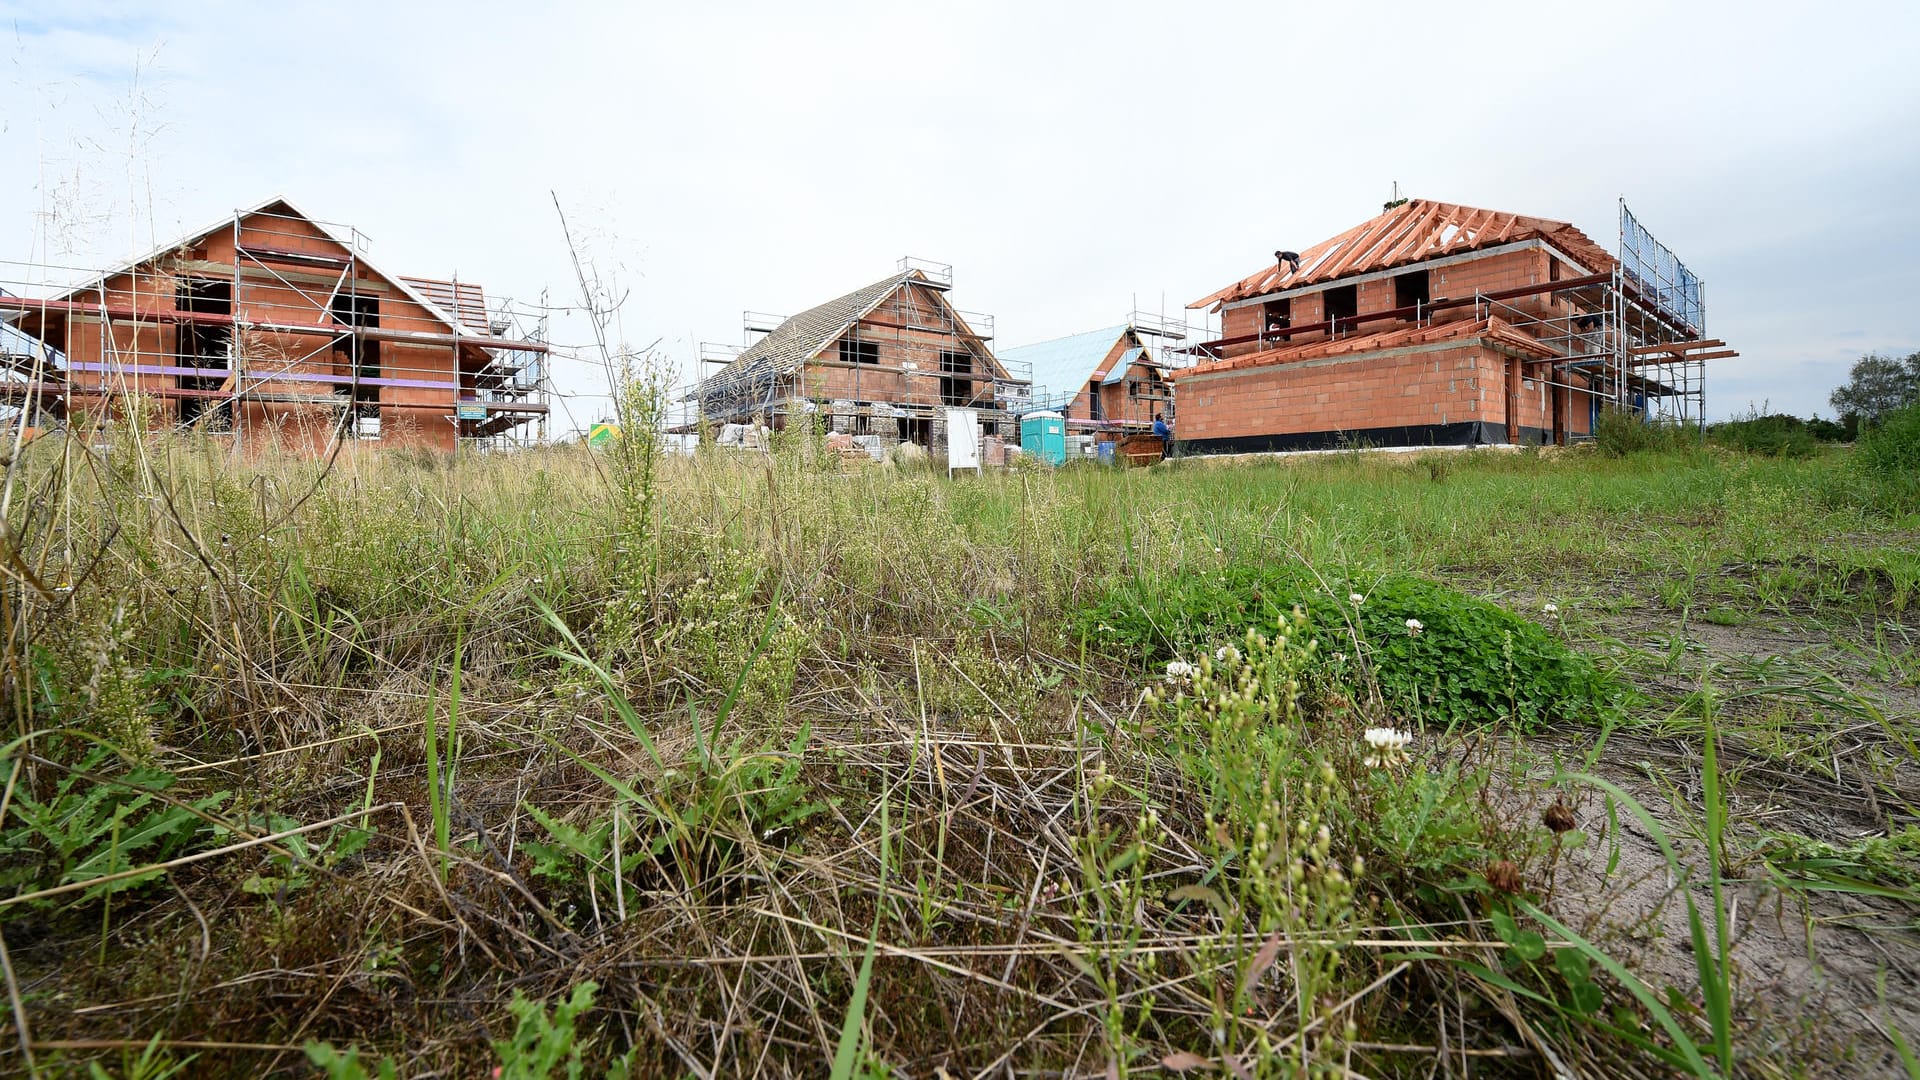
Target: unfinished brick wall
{"x":1494,"y":273}
{"x":1348,"y":393}
{"x":1419,"y":388}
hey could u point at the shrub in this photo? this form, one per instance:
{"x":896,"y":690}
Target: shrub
{"x":1891,"y":448}
{"x":1889,"y":456}
{"x":1466,"y":661}
{"x":1776,"y":435}
{"x":1843,"y":430}
{"x":1620,"y":433}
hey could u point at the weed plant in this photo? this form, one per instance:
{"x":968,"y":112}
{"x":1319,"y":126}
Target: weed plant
{"x":1620,"y":432}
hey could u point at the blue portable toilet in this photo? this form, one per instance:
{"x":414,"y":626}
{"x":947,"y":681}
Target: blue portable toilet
{"x":1044,"y":435}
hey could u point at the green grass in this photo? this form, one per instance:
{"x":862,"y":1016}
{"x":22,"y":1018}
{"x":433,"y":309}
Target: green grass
{"x":812,"y":770}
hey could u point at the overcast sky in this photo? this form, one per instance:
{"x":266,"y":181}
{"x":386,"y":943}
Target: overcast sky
{"x":1070,"y":161}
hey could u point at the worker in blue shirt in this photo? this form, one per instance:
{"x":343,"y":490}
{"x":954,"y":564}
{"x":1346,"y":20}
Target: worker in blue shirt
{"x":1164,"y":432}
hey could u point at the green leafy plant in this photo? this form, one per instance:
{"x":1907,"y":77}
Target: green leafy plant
{"x":290,"y":871}
{"x":694,"y":814}
{"x":542,"y":1044}
{"x":1277,"y":872}
{"x":1875,"y":865}
{"x":1774,"y":435}
{"x":1461,"y":660}
{"x":96,"y":828}
{"x":345,"y":1064}
{"x":846,"y":1053}
{"x":1709,"y":934}
{"x":153,"y":1062}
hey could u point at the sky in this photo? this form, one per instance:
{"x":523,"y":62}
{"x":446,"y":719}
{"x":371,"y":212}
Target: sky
{"x":1073,"y":162}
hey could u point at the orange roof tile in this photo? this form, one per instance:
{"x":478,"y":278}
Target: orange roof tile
{"x":1414,"y":231}
{"x":1494,"y":328}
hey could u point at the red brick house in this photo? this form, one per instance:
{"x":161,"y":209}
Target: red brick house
{"x":1431,"y":324}
{"x":271,"y":329}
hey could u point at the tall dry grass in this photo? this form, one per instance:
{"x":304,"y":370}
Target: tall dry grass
{"x":771,"y":750}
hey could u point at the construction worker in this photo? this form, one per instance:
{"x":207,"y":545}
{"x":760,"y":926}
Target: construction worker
{"x":1164,"y":432}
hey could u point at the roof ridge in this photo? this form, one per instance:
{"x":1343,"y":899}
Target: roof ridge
{"x":452,"y":324}
{"x":1117,"y":329}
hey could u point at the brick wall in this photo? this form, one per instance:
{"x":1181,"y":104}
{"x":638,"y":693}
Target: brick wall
{"x":1436,"y":385}
{"x":1496,"y":272}
{"x":1425,"y":386}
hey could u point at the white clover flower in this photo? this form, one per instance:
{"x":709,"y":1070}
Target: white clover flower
{"x":1386,"y":738}
{"x":1356,"y":599}
{"x":1389,"y":746}
{"x":1550,"y":609}
{"x":1339,"y":658}
{"x":1226,"y":653}
{"x":1178,"y":670}
{"x":1414,"y":626}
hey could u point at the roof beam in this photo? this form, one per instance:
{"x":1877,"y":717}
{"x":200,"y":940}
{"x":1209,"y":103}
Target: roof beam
{"x":1671,"y":346}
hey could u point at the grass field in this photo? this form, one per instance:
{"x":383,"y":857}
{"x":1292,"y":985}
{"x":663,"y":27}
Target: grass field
{"x":621,"y":765}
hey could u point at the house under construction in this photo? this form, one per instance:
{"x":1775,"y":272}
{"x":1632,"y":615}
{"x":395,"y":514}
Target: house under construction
{"x":272,"y":329}
{"x":1440,"y":324}
{"x":884,"y":361}
{"x":1109,"y":382}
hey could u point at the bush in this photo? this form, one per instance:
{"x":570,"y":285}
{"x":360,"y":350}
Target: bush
{"x":1471,"y":662}
{"x":1777,"y":435}
{"x":1844,"y":430}
{"x":1620,"y":433}
{"x":1891,"y":448}
{"x":1889,"y":456}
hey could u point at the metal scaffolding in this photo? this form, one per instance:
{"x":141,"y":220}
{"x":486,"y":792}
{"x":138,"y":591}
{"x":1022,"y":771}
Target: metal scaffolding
{"x":1634,"y":337}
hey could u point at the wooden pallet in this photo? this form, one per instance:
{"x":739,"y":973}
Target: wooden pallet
{"x":1141,"y":449}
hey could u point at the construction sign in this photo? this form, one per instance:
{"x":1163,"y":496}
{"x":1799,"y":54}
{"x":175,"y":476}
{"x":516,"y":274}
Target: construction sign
{"x":602,"y":433}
